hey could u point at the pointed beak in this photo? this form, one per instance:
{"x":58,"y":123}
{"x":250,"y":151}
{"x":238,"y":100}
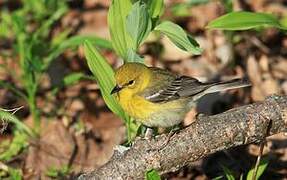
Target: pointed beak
{"x":116,"y":89}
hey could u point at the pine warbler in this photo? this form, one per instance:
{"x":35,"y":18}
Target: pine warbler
{"x":158,"y":98}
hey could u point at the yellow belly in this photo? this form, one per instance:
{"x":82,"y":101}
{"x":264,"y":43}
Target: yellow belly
{"x":153,"y":114}
{"x":139,"y":108}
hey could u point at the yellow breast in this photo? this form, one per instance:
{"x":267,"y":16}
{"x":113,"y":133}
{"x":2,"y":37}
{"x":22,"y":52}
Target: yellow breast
{"x":137,"y":107}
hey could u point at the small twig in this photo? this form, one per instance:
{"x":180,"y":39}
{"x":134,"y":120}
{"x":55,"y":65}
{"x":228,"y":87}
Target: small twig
{"x":261,"y":148}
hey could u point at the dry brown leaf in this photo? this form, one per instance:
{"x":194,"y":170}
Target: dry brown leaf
{"x":95,"y":23}
{"x":52,"y":150}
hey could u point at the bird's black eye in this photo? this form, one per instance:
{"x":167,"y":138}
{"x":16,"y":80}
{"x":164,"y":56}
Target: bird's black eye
{"x":131,"y":82}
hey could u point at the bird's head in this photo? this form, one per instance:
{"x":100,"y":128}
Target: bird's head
{"x":131,"y":77}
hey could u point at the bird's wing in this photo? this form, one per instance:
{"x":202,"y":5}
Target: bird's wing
{"x":167,"y":87}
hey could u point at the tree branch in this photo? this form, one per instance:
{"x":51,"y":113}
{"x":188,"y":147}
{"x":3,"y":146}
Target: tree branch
{"x":208,"y":134}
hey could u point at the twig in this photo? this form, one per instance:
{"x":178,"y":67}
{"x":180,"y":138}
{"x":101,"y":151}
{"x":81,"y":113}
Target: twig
{"x":208,"y":134}
{"x":261,"y":148}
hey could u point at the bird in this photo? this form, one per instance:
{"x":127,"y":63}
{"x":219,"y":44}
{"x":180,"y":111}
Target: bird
{"x":156,"y":97}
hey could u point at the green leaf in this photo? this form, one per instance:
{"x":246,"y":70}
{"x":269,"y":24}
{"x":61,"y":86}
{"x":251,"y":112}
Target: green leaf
{"x":6,"y":116}
{"x":177,"y":35}
{"x":15,"y":174}
{"x":58,"y":172}
{"x":45,"y":27}
{"x":73,"y":78}
{"x":152,"y":175}
{"x":60,"y":37}
{"x":138,"y":23}
{"x":243,"y":20}
{"x":218,"y":178}
{"x":228,"y":5}
{"x":228,"y":174}
{"x":75,"y":41}
{"x":156,"y":8}
{"x":117,"y":14}
{"x":133,"y":127}
{"x":105,"y":78}
{"x":181,"y":10}
{"x":197,"y":2}
{"x":19,"y":142}
{"x":262,"y":167}
{"x":5,"y":24}
{"x":132,"y":56}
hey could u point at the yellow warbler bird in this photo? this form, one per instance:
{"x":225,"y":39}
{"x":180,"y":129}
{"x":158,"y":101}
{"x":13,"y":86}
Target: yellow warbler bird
{"x":158,"y":98}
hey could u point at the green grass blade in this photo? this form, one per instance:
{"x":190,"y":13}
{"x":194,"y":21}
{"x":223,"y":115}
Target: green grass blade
{"x":105,"y":78}
{"x":45,"y":27}
{"x":262,"y":167}
{"x":228,"y":174}
{"x":75,"y":41}
{"x":243,"y":20}
{"x":12,"y":88}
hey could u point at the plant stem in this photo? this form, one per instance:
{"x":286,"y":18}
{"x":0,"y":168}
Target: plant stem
{"x":34,"y":111}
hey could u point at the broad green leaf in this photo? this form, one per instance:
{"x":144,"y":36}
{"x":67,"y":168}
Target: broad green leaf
{"x":228,"y":174}
{"x":243,"y":20}
{"x":262,"y":167}
{"x":156,"y":8}
{"x":120,"y":38}
{"x":178,"y":36}
{"x":138,"y":23}
{"x":132,"y":56}
{"x":152,"y":175}
{"x":105,"y":78}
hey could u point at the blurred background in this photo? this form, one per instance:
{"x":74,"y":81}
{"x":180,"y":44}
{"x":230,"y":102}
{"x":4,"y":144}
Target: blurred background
{"x":77,"y":132}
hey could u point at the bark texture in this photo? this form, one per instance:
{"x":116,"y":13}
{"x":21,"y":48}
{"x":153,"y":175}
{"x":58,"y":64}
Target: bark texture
{"x":242,"y":125}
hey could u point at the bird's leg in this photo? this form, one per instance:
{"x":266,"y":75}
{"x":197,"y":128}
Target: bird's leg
{"x":171,"y":132}
{"x":149,"y":133}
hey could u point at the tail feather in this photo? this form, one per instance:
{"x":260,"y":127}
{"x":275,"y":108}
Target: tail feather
{"x":227,"y":85}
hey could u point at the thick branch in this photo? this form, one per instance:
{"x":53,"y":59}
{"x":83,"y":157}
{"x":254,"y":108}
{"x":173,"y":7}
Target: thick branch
{"x":243,"y":125}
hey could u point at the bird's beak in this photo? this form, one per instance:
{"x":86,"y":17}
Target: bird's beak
{"x":116,"y":89}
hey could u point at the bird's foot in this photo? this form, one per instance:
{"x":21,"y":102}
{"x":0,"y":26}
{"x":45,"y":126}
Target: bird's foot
{"x":149,"y":133}
{"x":169,"y":136}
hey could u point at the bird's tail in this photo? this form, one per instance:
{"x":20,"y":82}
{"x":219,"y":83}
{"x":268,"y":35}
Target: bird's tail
{"x":226,"y":85}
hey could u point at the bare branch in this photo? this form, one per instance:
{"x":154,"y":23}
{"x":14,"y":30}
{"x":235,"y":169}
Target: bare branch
{"x":243,"y":125}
